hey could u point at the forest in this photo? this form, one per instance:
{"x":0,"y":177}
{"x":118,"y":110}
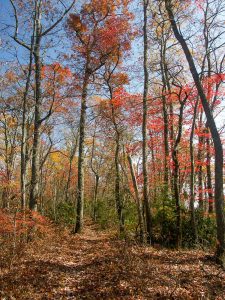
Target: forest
{"x":112,"y":138}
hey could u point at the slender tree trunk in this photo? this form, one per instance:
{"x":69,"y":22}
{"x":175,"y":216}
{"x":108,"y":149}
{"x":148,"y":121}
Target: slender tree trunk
{"x":72,"y":154}
{"x":219,"y":195}
{"x":23,"y":170}
{"x":118,"y":196}
{"x":95,"y":197}
{"x":165,"y":135}
{"x":80,"y":181}
{"x":192,"y":177}
{"x":209,"y":177}
{"x":200,"y":174}
{"x":176,"y":184}
{"x":138,"y":200}
{"x":165,"y":117}
{"x":37,"y":114}
{"x":37,"y":117}
{"x":119,"y":204}
{"x":144,"y":130}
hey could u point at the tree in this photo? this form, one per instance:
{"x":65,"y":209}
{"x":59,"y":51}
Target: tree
{"x":144,"y":127}
{"x":219,"y":196}
{"x":37,"y":34}
{"x":96,"y":34}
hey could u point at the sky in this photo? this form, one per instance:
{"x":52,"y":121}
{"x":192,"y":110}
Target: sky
{"x":7,"y":54}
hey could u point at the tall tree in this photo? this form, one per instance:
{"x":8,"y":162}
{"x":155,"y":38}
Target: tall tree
{"x":219,"y":195}
{"x":144,"y":127}
{"x":97,"y":32}
{"x":38,"y":32}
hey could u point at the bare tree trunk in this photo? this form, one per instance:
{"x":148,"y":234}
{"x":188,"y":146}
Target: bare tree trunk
{"x":219,"y":196}
{"x":37,"y":115}
{"x":80,"y":181}
{"x":144,"y":130}
{"x":209,"y":177}
{"x":200,"y":174}
{"x":23,"y":170}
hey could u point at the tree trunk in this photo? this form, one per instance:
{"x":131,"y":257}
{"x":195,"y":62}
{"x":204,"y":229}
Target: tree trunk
{"x":144,"y":130}
{"x":192,"y":177}
{"x":80,"y":181}
{"x":23,"y":170}
{"x":138,"y":200}
{"x":95,"y":197}
{"x":37,"y":116}
{"x":119,"y":204}
{"x":176,"y":184}
{"x":72,"y":154}
{"x":209,"y":177}
{"x":200,"y":174}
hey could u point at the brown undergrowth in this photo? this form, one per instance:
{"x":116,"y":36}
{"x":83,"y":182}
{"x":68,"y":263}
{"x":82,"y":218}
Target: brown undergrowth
{"x":96,"y":265}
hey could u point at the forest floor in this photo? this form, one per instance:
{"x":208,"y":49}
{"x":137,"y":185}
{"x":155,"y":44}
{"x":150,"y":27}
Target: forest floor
{"x":97,"y":265}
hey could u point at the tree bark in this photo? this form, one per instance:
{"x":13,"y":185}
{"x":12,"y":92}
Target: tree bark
{"x":209,"y":177}
{"x":176,"y":184}
{"x":144,"y":130}
{"x":23,"y":155}
{"x":37,"y":115}
{"x":192,"y":177}
{"x":138,"y":200}
{"x":80,"y":181}
{"x":72,"y":154}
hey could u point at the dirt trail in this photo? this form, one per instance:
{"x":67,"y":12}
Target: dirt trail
{"x":96,"y":266}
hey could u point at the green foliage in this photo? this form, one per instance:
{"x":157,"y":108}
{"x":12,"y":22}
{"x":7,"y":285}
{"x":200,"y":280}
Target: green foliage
{"x":206,"y":229}
{"x":130,"y":214}
{"x":164,"y":225}
{"x":106,"y":213}
{"x":164,"y":220}
{"x":63,"y":213}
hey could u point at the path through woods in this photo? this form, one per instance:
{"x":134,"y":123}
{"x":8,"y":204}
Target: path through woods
{"x":96,"y":265}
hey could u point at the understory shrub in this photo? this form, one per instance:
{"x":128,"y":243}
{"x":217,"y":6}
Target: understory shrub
{"x":63,"y":213}
{"x":17,"y":228}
